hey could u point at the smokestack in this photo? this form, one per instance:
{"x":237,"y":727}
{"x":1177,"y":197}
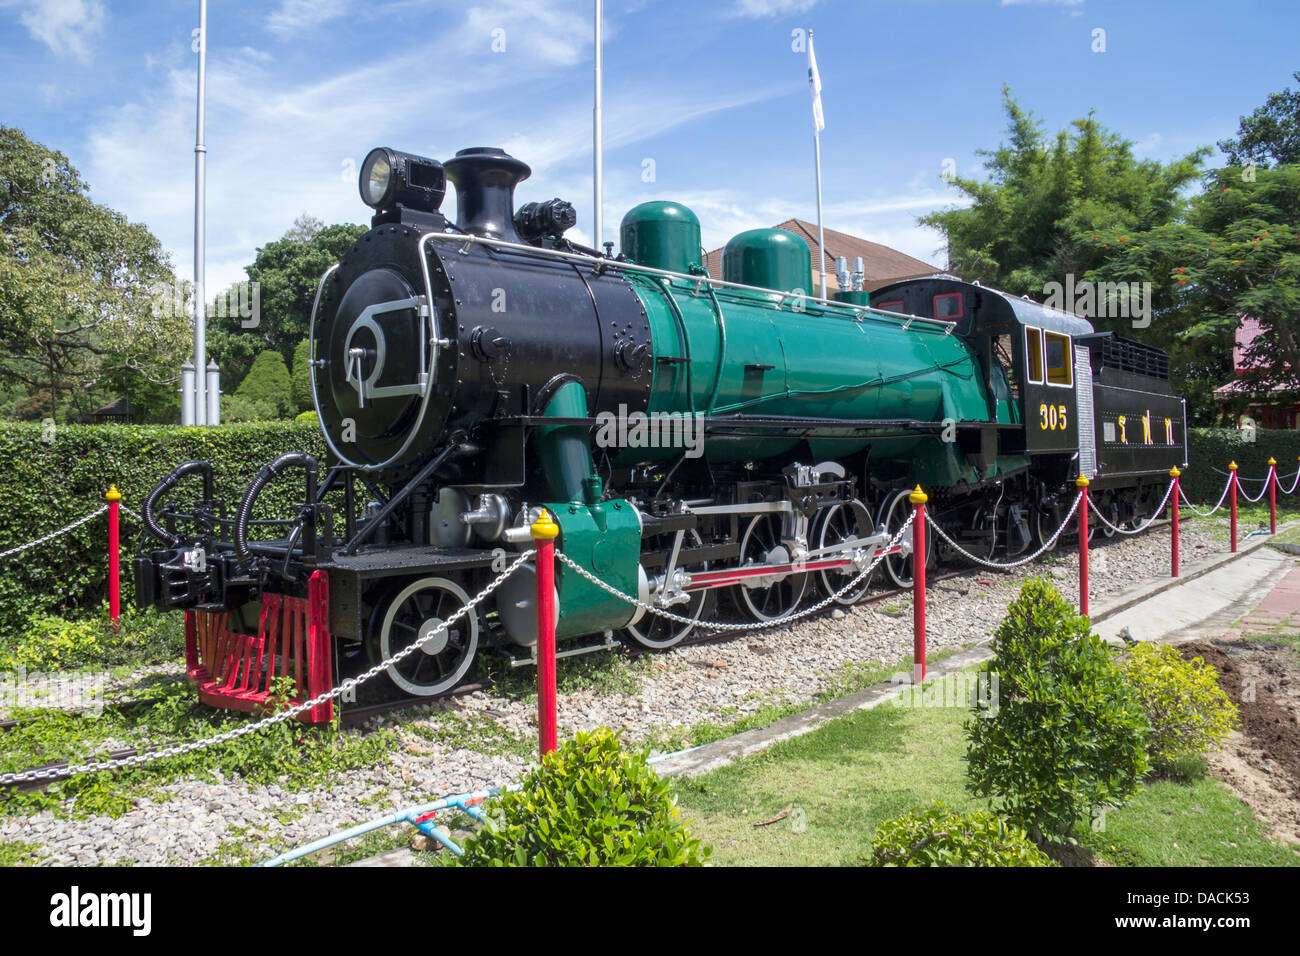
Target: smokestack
{"x":485,"y":178}
{"x":859,"y":274}
{"x":842,"y":272}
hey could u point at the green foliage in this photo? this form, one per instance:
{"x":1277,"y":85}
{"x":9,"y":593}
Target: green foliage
{"x":287,"y":272}
{"x":1067,"y":737}
{"x":78,"y":286}
{"x":300,"y":376}
{"x":1271,"y":134}
{"x":939,"y":836}
{"x":307,"y":418}
{"x":51,"y":642}
{"x":1030,"y":220}
{"x":1209,"y":451}
{"x":266,"y":386}
{"x":287,"y":754}
{"x":1187,"y":710}
{"x":52,"y":483}
{"x":588,"y":804}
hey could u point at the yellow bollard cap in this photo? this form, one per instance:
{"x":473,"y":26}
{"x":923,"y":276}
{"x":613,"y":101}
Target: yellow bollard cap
{"x":1232,"y":466}
{"x":1272,"y":462}
{"x":544,"y":528}
{"x":918,"y":497}
{"x":1082,"y":482}
{"x":1174,"y":472}
{"x":113,"y":494}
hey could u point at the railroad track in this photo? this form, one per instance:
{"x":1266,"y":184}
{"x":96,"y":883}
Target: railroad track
{"x":358,"y":715}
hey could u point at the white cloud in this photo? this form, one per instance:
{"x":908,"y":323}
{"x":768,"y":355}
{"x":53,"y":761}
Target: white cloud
{"x":293,"y":17}
{"x":771,"y":8}
{"x":66,"y":26}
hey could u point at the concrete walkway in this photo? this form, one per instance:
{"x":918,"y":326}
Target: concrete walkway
{"x":1207,"y":606}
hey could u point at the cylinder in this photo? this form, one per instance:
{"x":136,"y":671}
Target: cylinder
{"x":213,"y":393}
{"x":187,"y":394}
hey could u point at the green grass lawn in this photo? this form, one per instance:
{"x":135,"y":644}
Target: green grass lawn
{"x":847,"y":776}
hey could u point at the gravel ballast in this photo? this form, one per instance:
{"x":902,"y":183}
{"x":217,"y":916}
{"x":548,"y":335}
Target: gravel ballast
{"x":717,"y":681}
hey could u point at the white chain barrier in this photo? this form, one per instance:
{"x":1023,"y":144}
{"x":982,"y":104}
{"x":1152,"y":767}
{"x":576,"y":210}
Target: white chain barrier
{"x":1295,"y":484}
{"x":1146,"y":523}
{"x":346,"y":686}
{"x":1262,"y":491}
{"x":1047,"y":545}
{"x":1205,"y":514}
{"x":54,"y":534}
{"x":749,"y":626}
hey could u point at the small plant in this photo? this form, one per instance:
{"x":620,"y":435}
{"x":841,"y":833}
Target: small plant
{"x":589,"y":803}
{"x":1188,"y":711}
{"x":938,"y":836}
{"x":1069,"y":737}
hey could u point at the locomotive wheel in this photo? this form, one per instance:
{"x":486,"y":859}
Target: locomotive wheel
{"x":413,"y":613}
{"x":843,"y":522}
{"x":660,"y":633}
{"x":761,"y":544}
{"x":898,"y":566}
{"x":1042,"y":523}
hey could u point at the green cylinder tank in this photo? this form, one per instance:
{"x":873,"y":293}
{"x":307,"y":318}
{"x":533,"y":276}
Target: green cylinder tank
{"x":770,"y":259}
{"x":664,"y":235}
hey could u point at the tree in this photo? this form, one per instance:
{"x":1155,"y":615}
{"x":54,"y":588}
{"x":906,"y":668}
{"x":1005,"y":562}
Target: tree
{"x":1073,"y":207}
{"x":300,"y":376}
{"x":1237,"y":255}
{"x":287,"y":272}
{"x":1271,"y":134}
{"x":78,"y":283}
{"x":1029,"y":221}
{"x":264,"y":392}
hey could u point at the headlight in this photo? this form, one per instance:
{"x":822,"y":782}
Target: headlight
{"x":390,"y":178}
{"x":376,"y":177}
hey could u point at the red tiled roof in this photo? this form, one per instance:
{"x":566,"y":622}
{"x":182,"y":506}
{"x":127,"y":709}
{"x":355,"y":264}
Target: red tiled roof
{"x":883,"y":264}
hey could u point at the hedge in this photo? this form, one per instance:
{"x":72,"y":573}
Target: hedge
{"x":50,"y":483}
{"x":1209,"y":451}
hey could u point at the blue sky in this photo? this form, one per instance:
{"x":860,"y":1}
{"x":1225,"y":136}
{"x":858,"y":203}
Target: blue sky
{"x":710,"y":90}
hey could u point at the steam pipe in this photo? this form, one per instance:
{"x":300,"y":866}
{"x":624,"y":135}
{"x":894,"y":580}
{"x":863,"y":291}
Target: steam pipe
{"x":263,"y":477}
{"x":166,"y":485}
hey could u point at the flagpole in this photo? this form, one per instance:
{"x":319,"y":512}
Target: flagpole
{"x":815,"y":81}
{"x":597,"y":184}
{"x":821,"y":236}
{"x":200,"y":190}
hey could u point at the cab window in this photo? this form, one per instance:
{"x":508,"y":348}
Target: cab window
{"x":1033,"y":355}
{"x":1059,"y":367}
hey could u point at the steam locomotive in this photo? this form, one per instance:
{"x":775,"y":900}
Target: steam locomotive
{"x":689,"y":436}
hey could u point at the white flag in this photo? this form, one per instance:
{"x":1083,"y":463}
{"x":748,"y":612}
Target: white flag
{"x":815,"y":84}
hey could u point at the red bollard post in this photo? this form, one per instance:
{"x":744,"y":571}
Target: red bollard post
{"x":1232,"y":494}
{"x":545,"y":531}
{"x":918,"y":499}
{"x":1174,"y":473}
{"x":1082,"y":484}
{"x":114,"y":496}
{"x":1272,"y":496}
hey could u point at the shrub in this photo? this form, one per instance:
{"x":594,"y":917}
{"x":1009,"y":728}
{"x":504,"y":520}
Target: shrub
{"x":589,"y":803}
{"x":60,"y":475}
{"x":941,"y":837}
{"x":1187,"y":710}
{"x":267,"y":385}
{"x":300,"y":376}
{"x":307,"y":418}
{"x":1068,"y":736}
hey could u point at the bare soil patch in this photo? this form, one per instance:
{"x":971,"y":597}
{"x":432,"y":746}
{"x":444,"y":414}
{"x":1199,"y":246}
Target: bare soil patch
{"x":1261,"y":761}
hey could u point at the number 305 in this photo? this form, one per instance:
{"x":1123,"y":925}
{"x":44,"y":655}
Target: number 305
{"x":1052,"y":418}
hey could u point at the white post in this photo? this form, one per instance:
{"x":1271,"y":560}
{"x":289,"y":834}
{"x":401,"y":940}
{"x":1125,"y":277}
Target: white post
{"x":214,"y":393}
{"x":200,"y":199}
{"x":598,"y":189}
{"x":187,"y":393}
